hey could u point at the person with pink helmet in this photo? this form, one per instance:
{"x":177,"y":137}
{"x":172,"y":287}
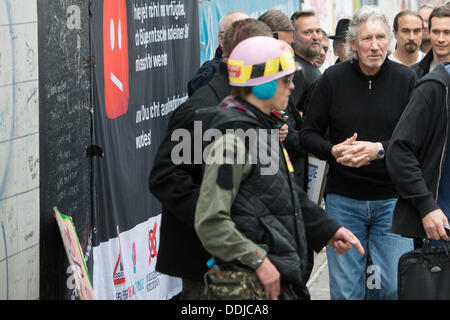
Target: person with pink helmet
{"x":251,"y":216}
{"x":176,"y":186}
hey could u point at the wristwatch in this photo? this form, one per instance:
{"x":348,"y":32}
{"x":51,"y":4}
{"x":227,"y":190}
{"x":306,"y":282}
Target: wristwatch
{"x":380,"y":151}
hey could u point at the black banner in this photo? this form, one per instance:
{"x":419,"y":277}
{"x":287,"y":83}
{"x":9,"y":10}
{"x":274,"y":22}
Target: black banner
{"x":145,"y":52}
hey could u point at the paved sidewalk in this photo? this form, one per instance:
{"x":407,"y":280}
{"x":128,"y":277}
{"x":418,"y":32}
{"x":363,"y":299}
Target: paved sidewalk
{"x":319,"y":282}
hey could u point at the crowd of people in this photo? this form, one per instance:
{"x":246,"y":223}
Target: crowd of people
{"x":233,"y":229}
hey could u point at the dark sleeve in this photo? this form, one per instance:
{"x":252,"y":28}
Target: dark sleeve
{"x":292,"y":141}
{"x":177,"y":186}
{"x":173,"y":185}
{"x":307,"y":96}
{"x":203,"y":75}
{"x":316,"y":121}
{"x":412,"y":83}
{"x":319,"y":227}
{"x":418,"y":121}
{"x":299,"y":83}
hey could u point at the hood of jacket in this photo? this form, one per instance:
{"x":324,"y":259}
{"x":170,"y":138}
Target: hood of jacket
{"x":439,"y":74}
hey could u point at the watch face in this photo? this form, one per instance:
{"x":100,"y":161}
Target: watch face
{"x":380,"y":151}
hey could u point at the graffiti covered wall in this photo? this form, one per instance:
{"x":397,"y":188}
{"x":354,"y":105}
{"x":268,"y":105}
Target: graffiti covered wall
{"x":19,"y":151}
{"x":65,"y":134}
{"x":211,"y":11}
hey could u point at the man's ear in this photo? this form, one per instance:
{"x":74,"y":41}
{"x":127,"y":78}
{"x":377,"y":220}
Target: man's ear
{"x":395,"y":34}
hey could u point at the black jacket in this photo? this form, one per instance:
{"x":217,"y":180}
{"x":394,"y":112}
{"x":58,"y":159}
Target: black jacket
{"x":417,"y":151}
{"x":346,"y":101}
{"x":273,"y":210}
{"x":177,"y":188}
{"x":422,"y":67}
{"x":299,"y":156}
{"x":303,"y":80}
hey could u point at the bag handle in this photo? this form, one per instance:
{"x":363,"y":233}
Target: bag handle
{"x":446,"y":247}
{"x":426,"y":243}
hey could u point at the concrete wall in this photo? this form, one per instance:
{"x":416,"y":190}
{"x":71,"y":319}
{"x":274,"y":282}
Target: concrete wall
{"x":19,"y":151}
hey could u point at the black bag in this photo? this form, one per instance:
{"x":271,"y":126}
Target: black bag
{"x":424,"y":274}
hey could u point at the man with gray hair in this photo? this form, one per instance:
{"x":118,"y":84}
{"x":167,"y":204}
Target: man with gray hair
{"x":357,"y":104}
{"x":210,"y":67}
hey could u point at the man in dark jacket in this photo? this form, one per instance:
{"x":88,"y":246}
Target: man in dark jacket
{"x":339,"y":40}
{"x":177,"y":186}
{"x":418,"y":160}
{"x":307,"y":46}
{"x":439,"y":26}
{"x":210,"y":67}
{"x":354,"y":102}
{"x":277,"y":21}
{"x":251,"y":214}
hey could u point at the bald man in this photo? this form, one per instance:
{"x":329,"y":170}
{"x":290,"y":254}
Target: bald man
{"x":425,"y":12}
{"x":210,"y":67}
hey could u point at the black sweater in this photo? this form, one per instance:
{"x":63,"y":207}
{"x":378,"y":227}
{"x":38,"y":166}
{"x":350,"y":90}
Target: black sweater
{"x":346,"y":101}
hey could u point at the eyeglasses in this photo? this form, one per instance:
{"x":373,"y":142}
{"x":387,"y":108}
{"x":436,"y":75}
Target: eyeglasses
{"x":288,"y":79}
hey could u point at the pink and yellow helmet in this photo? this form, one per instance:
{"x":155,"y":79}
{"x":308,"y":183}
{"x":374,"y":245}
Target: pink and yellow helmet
{"x":259,"y":60}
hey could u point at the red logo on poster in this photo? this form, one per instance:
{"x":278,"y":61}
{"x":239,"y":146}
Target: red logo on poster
{"x":152,"y":243}
{"x":115,"y":54}
{"x":118,"y":273}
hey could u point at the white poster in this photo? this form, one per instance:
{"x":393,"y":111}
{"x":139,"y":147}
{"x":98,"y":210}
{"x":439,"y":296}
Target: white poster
{"x":317,"y":173}
{"x":344,"y":9}
{"x":124,"y":266}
